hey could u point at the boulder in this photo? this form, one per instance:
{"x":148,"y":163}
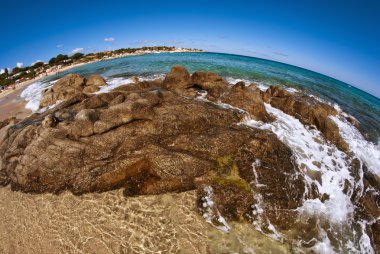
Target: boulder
{"x":71,"y":86}
{"x":210,"y":82}
{"x":247,"y":98}
{"x":64,"y":89}
{"x":177,"y":79}
{"x":90,"y":89}
{"x":149,"y":139}
{"x":95,"y":80}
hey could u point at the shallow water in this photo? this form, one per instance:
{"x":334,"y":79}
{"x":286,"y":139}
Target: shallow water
{"x":110,"y":223}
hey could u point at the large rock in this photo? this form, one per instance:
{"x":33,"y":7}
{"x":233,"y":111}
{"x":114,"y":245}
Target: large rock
{"x":71,"y":86}
{"x":65,"y":88}
{"x":215,"y":85}
{"x":149,"y":139}
{"x":248,"y":99}
{"x":177,"y":79}
{"x":95,"y":80}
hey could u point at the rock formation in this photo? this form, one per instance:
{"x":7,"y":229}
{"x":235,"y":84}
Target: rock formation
{"x":159,"y":136}
{"x":71,"y":86}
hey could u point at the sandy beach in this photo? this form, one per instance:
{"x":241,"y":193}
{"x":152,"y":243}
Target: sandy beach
{"x":12,"y":105}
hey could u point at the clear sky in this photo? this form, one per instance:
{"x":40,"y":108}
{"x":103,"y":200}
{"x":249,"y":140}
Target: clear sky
{"x":338,"y":38}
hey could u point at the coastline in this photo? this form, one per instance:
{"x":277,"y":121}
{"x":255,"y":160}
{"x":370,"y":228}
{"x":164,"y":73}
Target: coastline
{"x":12,"y":105}
{"x":23,"y":84}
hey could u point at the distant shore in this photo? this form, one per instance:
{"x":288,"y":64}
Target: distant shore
{"x":12,"y":105}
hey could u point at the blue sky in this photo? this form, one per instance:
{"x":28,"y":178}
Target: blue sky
{"x":336,"y":38}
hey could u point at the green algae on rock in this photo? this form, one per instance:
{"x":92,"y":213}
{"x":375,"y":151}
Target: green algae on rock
{"x":226,"y":172}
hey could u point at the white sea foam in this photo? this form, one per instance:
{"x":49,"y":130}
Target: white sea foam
{"x":291,"y":90}
{"x":313,"y":154}
{"x":152,"y":77}
{"x":366,"y":151}
{"x":212,"y":212}
{"x":113,"y":83}
{"x":260,"y":85}
{"x":33,"y":94}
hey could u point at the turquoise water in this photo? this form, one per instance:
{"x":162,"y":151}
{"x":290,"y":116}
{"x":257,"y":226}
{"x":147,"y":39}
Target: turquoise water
{"x":363,"y":106}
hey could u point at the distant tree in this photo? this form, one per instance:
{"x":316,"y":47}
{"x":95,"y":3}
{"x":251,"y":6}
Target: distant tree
{"x":6,"y":71}
{"x":53,"y":61}
{"x":77,"y":56}
{"x":60,"y":58}
{"x":100,"y":54}
{"x":38,"y":64}
{"x":16,"y":70}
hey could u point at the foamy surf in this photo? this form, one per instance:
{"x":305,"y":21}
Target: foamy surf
{"x":113,"y":83}
{"x":119,"y":81}
{"x":328,"y":168}
{"x":366,"y":151}
{"x":33,"y":93}
{"x":232,"y":81}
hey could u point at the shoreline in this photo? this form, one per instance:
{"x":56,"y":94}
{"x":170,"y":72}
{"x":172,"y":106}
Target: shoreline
{"x":12,"y":105}
{"x":23,"y":84}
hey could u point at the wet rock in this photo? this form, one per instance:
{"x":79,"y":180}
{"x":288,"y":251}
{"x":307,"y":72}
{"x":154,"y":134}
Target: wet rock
{"x":49,"y":121}
{"x":247,"y":98}
{"x":95,"y":80}
{"x":134,"y":79}
{"x":353,"y":121}
{"x":65,"y":88}
{"x":91,"y":89}
{"x":215,"y":85}
{"x":308,"y":110}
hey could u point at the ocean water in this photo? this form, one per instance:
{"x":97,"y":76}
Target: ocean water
{"x":308,"y":145}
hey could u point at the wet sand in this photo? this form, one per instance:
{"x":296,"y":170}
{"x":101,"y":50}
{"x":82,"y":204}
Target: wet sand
{"x":110,"y":223}
{"x":13,"y":105}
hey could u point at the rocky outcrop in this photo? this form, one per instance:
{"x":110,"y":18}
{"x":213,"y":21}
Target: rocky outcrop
{"x":71,"y":86}
{"x":150,"y":138}
{"x":247,"y":98}
{"x":153,"y":137}
{"x":215,"y":85}
{"x":308,"y":110}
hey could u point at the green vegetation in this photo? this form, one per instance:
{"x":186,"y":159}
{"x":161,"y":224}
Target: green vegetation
{"x":77,"y":56}
{"x":55,"y":63}
{"x":38,"y":64}
{"x":226,"y":172}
